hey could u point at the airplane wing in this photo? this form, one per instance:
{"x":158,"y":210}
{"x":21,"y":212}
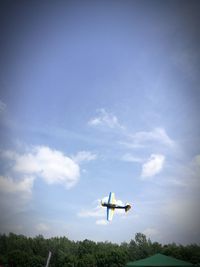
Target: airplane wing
{"x":110,"y":213}
{"x":111,"y":199}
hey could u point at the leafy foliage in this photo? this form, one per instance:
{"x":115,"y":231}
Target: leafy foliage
{"x":21,"y":251}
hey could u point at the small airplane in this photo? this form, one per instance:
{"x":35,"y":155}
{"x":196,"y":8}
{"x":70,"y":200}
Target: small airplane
{"x":112,"y":205}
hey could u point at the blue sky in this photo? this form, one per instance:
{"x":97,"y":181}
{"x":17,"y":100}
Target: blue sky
{"x":98,"y":97}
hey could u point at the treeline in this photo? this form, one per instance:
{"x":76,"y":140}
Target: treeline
{"x":21,"y":251}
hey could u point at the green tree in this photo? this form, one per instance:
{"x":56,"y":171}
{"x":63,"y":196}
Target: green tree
{"x":87,"y":260}
{"x":18,"y":258}
{"x":36,"y":261}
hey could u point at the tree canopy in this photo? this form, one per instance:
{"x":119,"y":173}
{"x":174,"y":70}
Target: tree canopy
{"x":22,"y":251}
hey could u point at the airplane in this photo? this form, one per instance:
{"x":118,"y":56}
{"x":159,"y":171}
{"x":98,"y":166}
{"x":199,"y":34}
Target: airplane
{"x":112,"y":205}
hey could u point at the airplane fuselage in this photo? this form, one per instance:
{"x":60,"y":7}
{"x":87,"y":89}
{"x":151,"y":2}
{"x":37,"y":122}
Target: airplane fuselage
{"x":112,"y":206}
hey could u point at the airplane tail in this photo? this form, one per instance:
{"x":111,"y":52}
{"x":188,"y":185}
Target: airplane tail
{"x":127,"y":207}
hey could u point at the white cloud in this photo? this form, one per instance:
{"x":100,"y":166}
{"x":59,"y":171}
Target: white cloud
{"x":2,"y":106}
{"x":42,"y":227}
{"x":51,"y":165}
{"x":84,"y":156}
{"x":105,"y":119}
{"x":9,"y":185}
{"x":153,"y":166}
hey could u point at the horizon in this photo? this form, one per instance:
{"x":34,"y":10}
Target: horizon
{"x":99,"y":97}
{"x":105,"y":241}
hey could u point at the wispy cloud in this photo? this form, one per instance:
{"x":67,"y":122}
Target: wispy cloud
{"x":143,"y":138}
{"x":9,"y":185}
{"x":95,"y":212}
{"x":2,"y":106}
{"x":129,"y":139}
{"x":183,"y":212}
{"x":15,"y":197}
{"x":188,"y":175}
{"x":106,"y":119}
{"x":181,"y":206}
{"x":84,"y":156}
{"x":102,"y":222}
{"x":153,"y":166}
{"x":158,"y":134}
{"x":151,"y":233}
{"x":42,"y":227}
{"x":130,"y":158}
{"x":196,"y":163}
{"x":100,"y":212}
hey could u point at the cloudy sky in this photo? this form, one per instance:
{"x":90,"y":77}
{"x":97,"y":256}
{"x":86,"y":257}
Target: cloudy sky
{"x":99,"y":97}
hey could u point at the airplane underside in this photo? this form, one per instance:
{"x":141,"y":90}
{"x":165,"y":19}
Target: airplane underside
{"x":111,"y":206}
